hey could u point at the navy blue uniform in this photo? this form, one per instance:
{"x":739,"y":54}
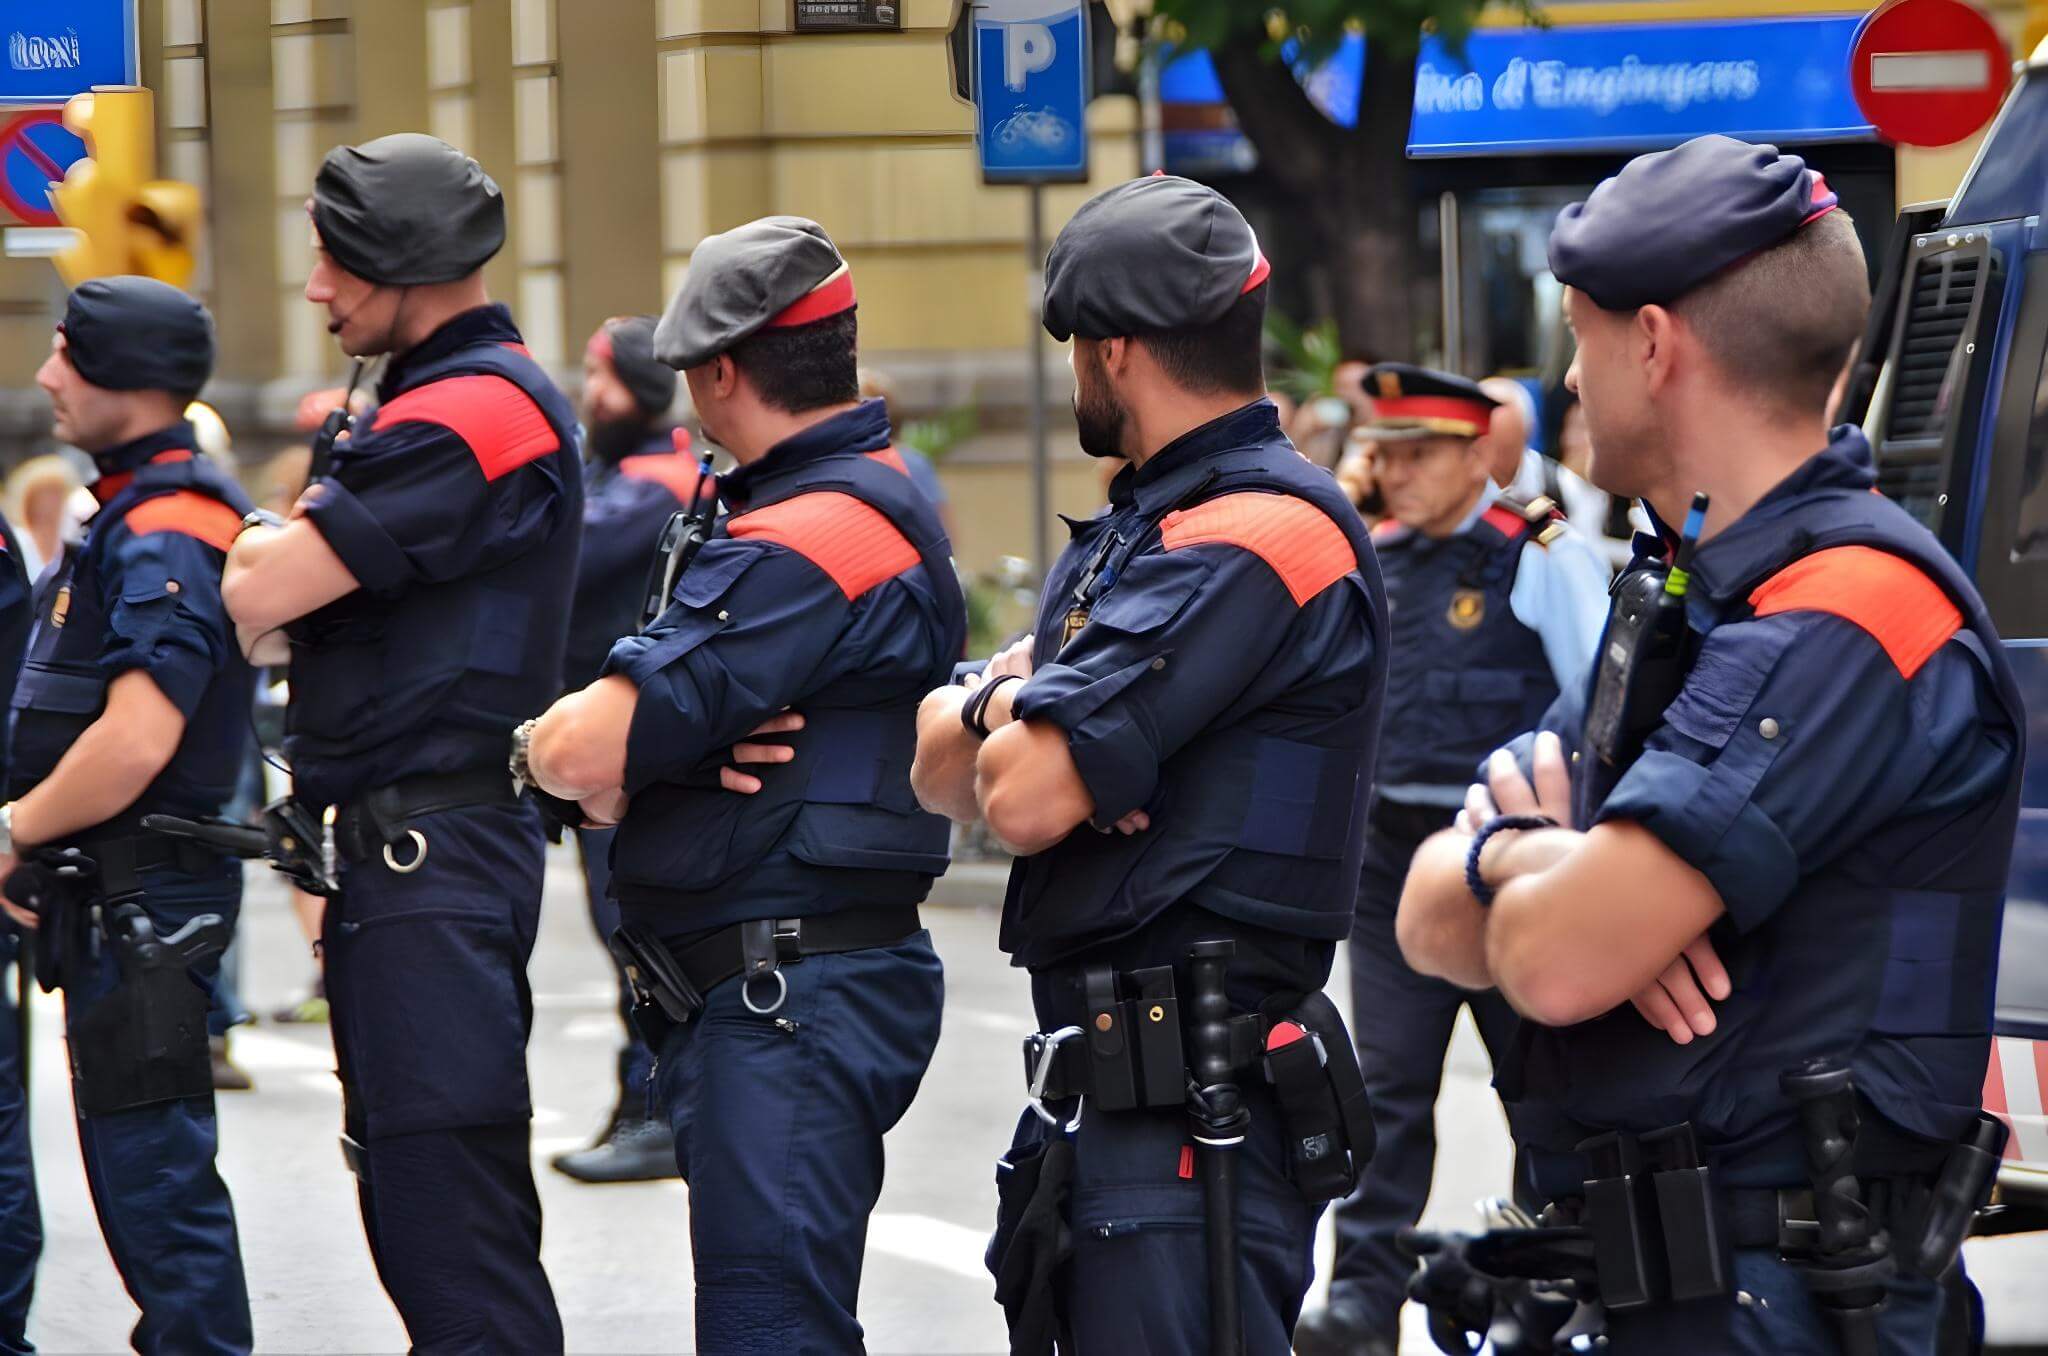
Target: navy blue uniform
{"x":1488,"y":624}
{"x":1221,"y":668}
{"x":827,"y":590}
{"x":626,"y":504}
{"x":21,"y":1224}
{"x":142,"y":593}
{"x":458,"y":511}
{"x":1842,"y":764}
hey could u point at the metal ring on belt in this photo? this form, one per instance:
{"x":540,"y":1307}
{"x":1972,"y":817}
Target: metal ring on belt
{"x":419,"y":842}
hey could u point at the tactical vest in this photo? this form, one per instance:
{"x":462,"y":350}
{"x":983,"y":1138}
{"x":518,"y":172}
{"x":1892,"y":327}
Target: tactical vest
{"x":62,"y":688}
{"x":1466,"y":675}
{"x":1887,"y":957}
{"x":1258,"y":828}
{"x":845,"y":802}
{"x":464,"y":660}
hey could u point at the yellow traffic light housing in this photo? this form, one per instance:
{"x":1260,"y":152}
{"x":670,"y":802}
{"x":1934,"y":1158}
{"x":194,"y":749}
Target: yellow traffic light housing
{"x":128,"y":220}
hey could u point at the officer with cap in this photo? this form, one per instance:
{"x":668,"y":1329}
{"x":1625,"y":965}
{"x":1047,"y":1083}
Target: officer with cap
{"x":1776,"y":823}
{"x":1180,"y":757}
{"x":424,"y":584}
{"x":1496,"y":608}
{"x":636,"y":477}
{"x":133,"y":700}
{"x":770,"y":917}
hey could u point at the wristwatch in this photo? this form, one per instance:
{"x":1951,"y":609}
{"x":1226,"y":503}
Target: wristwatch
{"x":260,"y":517}
{"x":7,"y":829}
{"x":522,"y":746}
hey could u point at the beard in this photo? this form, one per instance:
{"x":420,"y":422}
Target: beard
{"x":611,"y":440}
{"x":1098,"y":418}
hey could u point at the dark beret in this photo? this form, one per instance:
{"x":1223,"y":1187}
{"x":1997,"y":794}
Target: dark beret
{"x":1421,"y":402}
{"x":1671,"y":220}
{"x":776,"y":272}
{"x":627,"y":343}
{"x":407,"y":209}
{"x":1160,"y":253}
{"x":138,"y":334}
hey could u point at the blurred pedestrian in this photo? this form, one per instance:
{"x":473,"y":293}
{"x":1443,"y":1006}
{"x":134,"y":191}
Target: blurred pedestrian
{"x":636,"y":475}
{"x":37,"y":495}
{"x":877,"y":386}
{"x":1610,"y":523}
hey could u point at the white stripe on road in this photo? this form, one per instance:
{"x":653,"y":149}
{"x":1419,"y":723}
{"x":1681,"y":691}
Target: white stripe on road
{"x":2023,"y":1098}
{"x":934,"y":1242}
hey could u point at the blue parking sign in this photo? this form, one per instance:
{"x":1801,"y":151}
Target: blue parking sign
{"x":1031,"y":86}
{"x":49,"y":52}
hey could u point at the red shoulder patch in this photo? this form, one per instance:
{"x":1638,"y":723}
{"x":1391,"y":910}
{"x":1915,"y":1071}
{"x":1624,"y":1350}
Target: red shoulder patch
{"x":675,"y":473}
{"x":503,"y":427}
{"x":195,"y":515}
{"x":890,"y":458}
{"x":1505,"y":520}
{"x":1306,"y":549}
{"x":849,"y":540}
{"x":1890,"y":598}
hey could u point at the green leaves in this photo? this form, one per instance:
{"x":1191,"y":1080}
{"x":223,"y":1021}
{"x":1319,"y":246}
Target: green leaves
{"x":1319,"y":25}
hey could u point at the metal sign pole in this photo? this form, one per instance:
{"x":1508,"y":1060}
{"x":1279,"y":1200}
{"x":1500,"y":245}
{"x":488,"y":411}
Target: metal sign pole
{"x":1041,"y":461}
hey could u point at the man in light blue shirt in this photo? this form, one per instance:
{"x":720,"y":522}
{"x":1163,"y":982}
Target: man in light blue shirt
{"x":1495,"y":608}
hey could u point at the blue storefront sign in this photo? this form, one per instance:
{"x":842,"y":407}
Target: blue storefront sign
{"x":1031,"y":84}
{"x":49,"y":52}
{"x":1630,"y":87}
{"x":1200,"y":132}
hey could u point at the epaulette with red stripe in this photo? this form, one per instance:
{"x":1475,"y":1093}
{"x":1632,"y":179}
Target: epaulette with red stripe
{"x":1307,"y":550}
{"x":1540,"y":518}
{"x":196,"y":515}
{"x":501,"y":424}
{"x":1890,"y":598}
{"x":849,"y":540}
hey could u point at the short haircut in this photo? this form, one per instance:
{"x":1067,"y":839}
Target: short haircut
{"x":803,"y":367}
{"x":1782,"y":322}
{"x":1226,"y":355}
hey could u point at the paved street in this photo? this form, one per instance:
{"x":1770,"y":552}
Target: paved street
{"x":619,"y":1255}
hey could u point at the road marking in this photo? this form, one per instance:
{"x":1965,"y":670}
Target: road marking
{"x":934,"y":1242}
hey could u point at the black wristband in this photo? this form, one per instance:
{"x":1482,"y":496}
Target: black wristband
{"x":1475,"y":882}
{"x":974,"y":711}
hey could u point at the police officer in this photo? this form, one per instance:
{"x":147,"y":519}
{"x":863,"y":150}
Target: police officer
{"x":1796,"y":852}
{"x":772,"y":915}
{"x":424,"y":583}
{"x":1181,"y":754}
{"x":21,"y":1225}
{"x":635,"y":479}
{"x":1496,"y":607}
{"x":133,"y":700}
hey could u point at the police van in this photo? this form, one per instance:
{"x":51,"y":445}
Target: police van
{"x":1951,"y":384}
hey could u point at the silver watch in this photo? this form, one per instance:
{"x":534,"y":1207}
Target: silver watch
{"x":522,"y":746}
{"x":7,"y":829}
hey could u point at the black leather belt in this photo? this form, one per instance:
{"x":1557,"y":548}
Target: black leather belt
{"x":379,"y":821}
{"x":725,"y":954}
{"x":121,"y":857}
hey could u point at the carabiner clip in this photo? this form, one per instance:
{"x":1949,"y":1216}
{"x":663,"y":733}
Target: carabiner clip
{"x":1035,"y":1098}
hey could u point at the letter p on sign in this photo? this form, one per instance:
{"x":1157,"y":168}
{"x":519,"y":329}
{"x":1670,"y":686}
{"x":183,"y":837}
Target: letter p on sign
{"x":1027,"y":49}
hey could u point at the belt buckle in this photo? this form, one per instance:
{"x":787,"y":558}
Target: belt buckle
{"x":1798,"y":1222}
{"x":788,"y":937}
{"x":1048,"y":1045}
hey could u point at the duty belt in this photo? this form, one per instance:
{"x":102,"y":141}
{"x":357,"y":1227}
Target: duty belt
{"x":379,"y":821}
{"x":674,"y":982}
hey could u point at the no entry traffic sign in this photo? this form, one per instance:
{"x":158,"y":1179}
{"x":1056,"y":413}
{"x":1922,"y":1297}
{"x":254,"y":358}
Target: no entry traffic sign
{"x":35,"y":150}
{"x":1929,"y":72}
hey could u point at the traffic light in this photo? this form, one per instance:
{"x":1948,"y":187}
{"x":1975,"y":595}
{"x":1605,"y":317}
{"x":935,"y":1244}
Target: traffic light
{"x":128,"y":220}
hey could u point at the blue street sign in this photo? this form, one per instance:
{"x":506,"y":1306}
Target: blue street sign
{"x":1627,"y":87}
{"x":1031,"y":84}
{"x":49,"y":52}
{"x":35,"y":150}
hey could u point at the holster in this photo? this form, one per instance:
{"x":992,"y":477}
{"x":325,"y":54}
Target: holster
{"x":145,"y":1041}
{"x":663,"y":997}
{"x":56,"y":885}
{"x":1324,"y":1109}
{"x":1658,"y":1225}
{"x":1032,"y":1242}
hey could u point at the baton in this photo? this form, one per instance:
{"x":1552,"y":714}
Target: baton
{"x":228,"y":839}
{"x":1220,"y":1120}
